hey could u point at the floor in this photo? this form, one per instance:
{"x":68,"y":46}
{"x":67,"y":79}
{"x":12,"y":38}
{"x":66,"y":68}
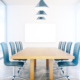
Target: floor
{"x":1,"y":54}
{"x":41,"y":71}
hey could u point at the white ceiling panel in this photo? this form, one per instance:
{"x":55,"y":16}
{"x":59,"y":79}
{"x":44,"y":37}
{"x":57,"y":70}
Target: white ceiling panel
{"x":35,"y":2}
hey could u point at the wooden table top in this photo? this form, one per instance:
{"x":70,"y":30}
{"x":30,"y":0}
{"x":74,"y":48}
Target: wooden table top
{"x":42,"y":53}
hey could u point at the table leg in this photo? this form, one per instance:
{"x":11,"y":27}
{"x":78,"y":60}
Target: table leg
{"x":35,"y":62}
{"x":47,"y":62}
{"x":31,"y":68}
{"x":50,"y":68}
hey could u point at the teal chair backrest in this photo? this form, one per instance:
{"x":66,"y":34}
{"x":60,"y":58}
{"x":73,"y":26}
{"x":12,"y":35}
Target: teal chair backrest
{"x":17,"y":46}
{"x":63,"y":46}
{"x":76,"y":53}
{"x":12,"y":46}
{"x":60,"y":44}
{"x":21,"y":46}
{"x":5,"y":52}
{"x":68,"y":47}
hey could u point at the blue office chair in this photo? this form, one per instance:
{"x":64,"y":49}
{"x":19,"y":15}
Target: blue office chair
{"x":12,"y":46}
{"x":74,"y":62}
{"x":21,"y":46}
{"x":17,"y":46}
{"x":68,"y":49}
{"x":6,"y":59}
{"x":59,"y":47}
{"x":60,"y":44}
{"x":63,"y":46}
{"x":13,"y":51}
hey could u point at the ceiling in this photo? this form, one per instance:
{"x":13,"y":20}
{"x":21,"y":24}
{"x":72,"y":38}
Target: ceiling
{"x":35,"y":2}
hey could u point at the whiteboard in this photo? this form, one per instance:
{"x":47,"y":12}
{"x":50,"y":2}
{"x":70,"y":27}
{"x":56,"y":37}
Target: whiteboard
{"x":40,"y":32}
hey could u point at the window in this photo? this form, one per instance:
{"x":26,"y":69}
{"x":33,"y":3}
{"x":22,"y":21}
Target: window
{"x":78,"y":26}
{"x":2,"y":25}
{"x":40,"y":32}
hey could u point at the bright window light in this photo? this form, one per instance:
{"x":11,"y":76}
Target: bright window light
{"x":78,"y":26}
{"x":40,"y":32}
{"x":2,"y":22}
{"x":2,"y":33}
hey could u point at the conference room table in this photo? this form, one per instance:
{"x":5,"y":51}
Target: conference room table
{"x":48,"y":53}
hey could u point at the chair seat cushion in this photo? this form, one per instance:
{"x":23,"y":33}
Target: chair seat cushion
{"x":63,"y":59}
{"x":23,"y":59}
{"x":57,"y":59}
{"x":20,"y":64}
{"x":20,"y":59}
{"x":60,"y":59}
{"x":66,"y":63}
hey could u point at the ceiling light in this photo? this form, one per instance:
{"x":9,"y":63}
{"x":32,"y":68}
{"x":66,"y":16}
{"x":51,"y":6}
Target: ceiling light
{"x":40,"y":18}
{"x":41,"y":5}
{"x":41,"y":13}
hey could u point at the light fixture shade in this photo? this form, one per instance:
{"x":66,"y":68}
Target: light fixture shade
{"x":41,"y":13}
{"x":41,"y":4}
{"x":40,"y":18}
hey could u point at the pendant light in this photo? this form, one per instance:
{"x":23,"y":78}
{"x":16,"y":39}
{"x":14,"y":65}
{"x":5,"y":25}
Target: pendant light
{"x":41,"y":13}
{"x":40,"y":18}
{"x":41,"y":5}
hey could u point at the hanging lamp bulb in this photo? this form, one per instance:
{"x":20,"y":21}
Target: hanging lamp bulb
{"x":40,"y":18}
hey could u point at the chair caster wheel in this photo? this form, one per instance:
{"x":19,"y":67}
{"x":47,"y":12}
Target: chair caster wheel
{"x":19,"y":68}
{"x":18,"y":71}
{"x":61,"y":68}
{"x":63,"y":72}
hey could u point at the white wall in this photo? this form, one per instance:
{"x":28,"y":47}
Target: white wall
{"x":61,"y":15}
{"x":2,"y":25}
{"x":78,"y":22}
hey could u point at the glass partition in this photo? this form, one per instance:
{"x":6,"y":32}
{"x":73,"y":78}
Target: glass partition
{"x":2,"y":24}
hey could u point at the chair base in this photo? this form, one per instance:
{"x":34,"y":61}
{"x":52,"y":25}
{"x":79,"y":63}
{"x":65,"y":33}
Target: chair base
{"x":62,"y":77}
{"x":18,"y":77}
{"x":13,"y":77}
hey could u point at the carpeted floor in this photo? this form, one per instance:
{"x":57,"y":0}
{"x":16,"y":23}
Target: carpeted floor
{"x":41,"y":72}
